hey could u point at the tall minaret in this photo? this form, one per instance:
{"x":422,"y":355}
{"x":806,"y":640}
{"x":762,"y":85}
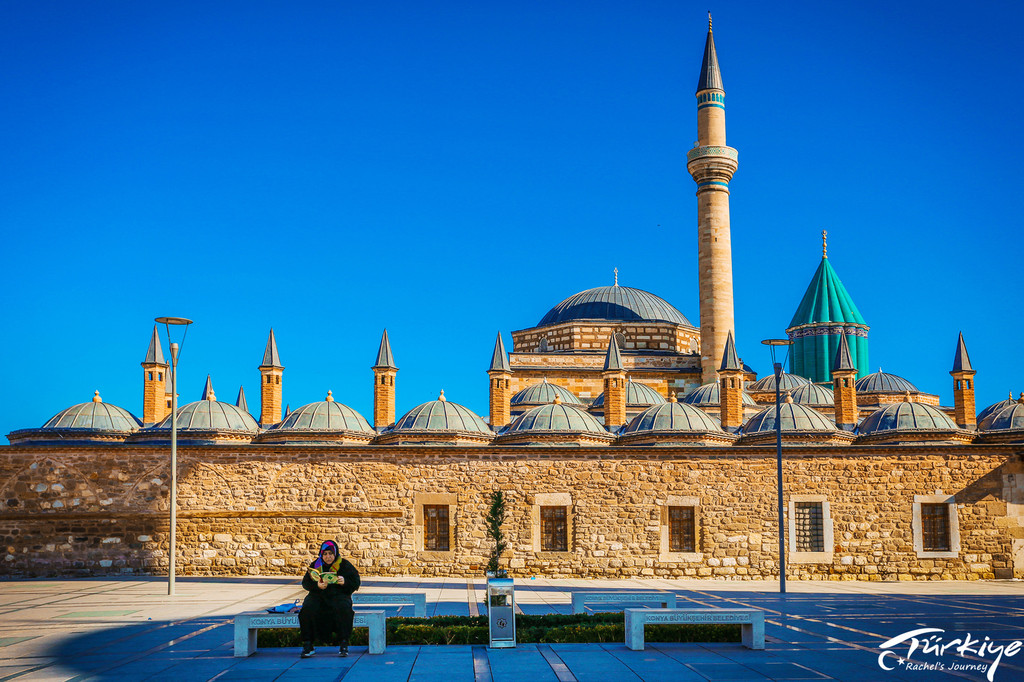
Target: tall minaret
{"x":712,"y":163}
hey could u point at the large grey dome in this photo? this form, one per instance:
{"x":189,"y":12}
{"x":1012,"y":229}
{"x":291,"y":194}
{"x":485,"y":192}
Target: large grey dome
{"x":211,"y":415}
{"x":1010,"y":418}
{"x":710,"y":394}
{"x":544,"y":392}
{"x":614,"y":303}
{"x":906,"y":417}
{"x":637,"y":395}
{"x":985,"y":416}
{"x":440,"y":415}
{"x":555,"y":417}
{"x":325,"y":415}
{"x":792,"y":417}
{"x":96,"y":416}
{"x":672,"y":417}
{"x":880,"y":382}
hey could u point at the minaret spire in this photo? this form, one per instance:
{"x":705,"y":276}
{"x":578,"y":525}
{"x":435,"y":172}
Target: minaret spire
{"x":712,"y":164}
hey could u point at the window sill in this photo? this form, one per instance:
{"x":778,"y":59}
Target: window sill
{"x":938,"y":555}
{"x":681,"y":557}
{"x":810,"y":557}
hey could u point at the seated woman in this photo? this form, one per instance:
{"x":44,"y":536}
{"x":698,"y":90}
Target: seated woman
{"x":330,"y":582}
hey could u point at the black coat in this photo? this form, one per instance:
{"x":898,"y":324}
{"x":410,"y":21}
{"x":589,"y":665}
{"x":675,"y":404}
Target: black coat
{"x":339,"y":593}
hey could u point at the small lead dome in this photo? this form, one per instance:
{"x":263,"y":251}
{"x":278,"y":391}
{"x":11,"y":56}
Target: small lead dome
{"x":441,"y":415}
{"x":710,"y":394}
{"x":789,"y":382}
{"x":542,"y":393}
{"x":906,"y":416}
{"x":210,"y":415}
{"x":813,"y":394}
{"x":880,"y":382}
{"x":94,"y":415}
{"x":792,"y":417}
{"x":637,"y":395}
{"x":555,"y":417}
{"x":672,"y":416}
{"x":325,"y":415}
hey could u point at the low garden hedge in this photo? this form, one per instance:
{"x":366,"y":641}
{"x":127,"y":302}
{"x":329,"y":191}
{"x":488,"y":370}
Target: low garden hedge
{"x":551,"y":629}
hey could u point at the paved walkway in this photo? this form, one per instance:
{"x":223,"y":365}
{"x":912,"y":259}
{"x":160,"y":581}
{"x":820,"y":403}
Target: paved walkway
{"x":129,"y":629}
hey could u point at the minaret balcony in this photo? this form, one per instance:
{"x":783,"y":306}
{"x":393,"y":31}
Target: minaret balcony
{"x":712,"y":164}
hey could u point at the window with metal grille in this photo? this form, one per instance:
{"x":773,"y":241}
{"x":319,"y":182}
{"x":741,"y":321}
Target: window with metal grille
{"x":935,"y":527}
{"x":435,"y":527}
{"x":810,"y":527}
{"x":682,"y":536}
{"x":553,"y":530}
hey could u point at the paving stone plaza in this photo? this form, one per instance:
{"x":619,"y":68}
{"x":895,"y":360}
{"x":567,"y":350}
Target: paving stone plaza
{"x":129,"y":629}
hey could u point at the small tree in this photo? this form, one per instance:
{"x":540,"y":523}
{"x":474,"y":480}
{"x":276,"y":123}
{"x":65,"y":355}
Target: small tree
{"x":496,"y":517}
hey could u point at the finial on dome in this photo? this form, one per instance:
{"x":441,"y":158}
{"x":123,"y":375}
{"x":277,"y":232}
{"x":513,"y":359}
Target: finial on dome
{"x":824,"y":243}
{"x":441,"y":397}
{"x":709,"y":21}
{"x":558,"y":399}
{"x":96,"y":397}
{"x":1021,"y":398}
{"x":672,"y":396}
{"x":907,"y":398}
{"x":330,"y":397}
{"x":789,"y":398}
{"x":616,"y":271}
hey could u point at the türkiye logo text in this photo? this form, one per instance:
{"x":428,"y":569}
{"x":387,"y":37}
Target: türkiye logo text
{"x":936,"y":650}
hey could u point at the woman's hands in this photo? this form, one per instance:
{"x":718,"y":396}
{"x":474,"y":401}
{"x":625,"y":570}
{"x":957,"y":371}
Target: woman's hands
{"x":322,"y":584}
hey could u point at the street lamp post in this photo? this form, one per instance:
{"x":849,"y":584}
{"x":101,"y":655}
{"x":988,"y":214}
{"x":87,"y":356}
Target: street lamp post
{"x":175,"y":350}
{"x":777,"y":366}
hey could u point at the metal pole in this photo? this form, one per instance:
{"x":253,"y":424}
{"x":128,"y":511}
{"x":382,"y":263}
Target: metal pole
{"x":174,"y":464}
{"x":778,"y":467}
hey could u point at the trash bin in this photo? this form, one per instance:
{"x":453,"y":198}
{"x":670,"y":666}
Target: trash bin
{"x":501,"y":613}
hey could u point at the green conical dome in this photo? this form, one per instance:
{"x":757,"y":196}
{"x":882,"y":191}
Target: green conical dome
{"x":826,"y":300}
{"x":825,"y":313}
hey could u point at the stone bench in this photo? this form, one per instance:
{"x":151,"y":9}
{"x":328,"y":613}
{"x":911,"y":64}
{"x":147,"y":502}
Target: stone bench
{"x":246,"y":625}
{"x":666,"y":599}
{"x":418,"y":600}
{"x":752,"y":621}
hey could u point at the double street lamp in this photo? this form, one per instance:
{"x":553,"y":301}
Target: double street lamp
{"x":168,"y":322}
{"x":777,"y":366}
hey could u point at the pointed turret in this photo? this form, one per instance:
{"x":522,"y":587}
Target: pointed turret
{"x":613,"y":358}
{"x":154,"y":384}
{"x":384,"y":357}
{"x":730,"y":377}
{"x":963,"y":387}
{"x":826,"y":312}
{"x":208,"y":393}
{"x":844,"y":386}
{"x":614,"y":387}
{"x":384,"y":373}
{"x":712,"y":164}
{"x":500,"y":374}
{"x":710,"y":74}
{"x":240,"y":400}
{"x":271,"y":373}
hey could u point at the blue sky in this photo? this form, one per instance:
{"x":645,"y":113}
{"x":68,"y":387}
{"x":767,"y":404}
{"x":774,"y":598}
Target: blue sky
{"x":449,"y":170}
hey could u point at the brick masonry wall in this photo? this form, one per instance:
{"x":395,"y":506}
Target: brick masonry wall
{"x":263,"y":509}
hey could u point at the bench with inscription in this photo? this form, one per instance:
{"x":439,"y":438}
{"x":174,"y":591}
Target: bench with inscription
{"x":666,"y":599}
{"x":418,"y":600}
{"x":751,"y":620}
{"x":247,"y":624}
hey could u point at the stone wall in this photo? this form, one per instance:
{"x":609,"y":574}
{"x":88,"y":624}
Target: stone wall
{"x":263,"y":509}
